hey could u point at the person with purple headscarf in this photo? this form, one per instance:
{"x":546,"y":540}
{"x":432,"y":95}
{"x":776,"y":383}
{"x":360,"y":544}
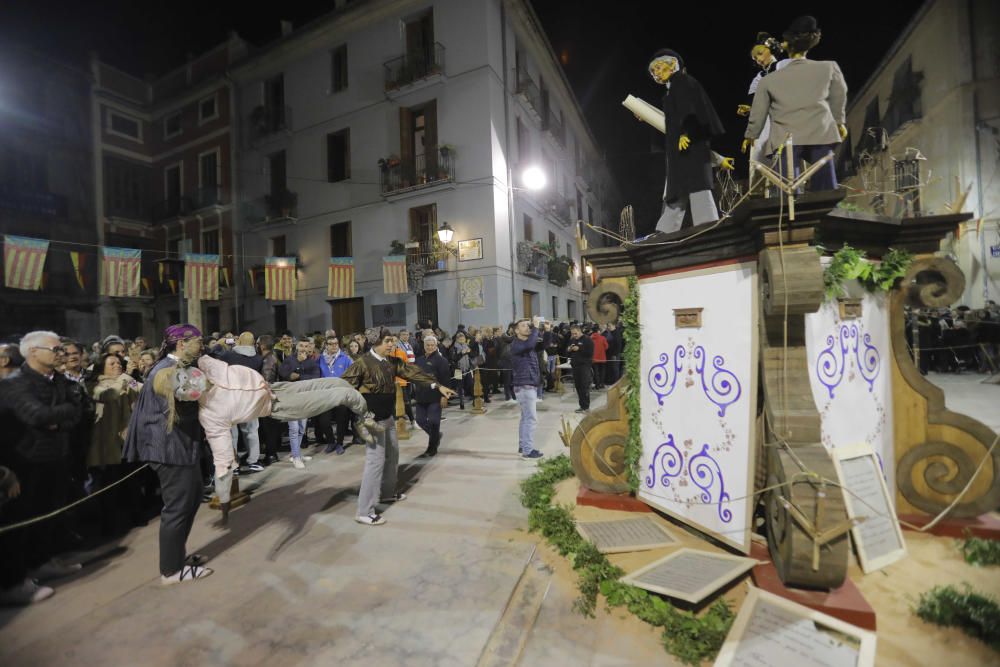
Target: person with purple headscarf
{"x":167,"y":437}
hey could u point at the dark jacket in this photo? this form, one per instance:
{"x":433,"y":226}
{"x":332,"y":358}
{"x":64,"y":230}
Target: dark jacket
{"x":243,"y":355}
{"x":584,"y":356}
{"x":524,"y":361}
{"x":688,"y":110}
{"x":45,"y":412}
{"x":147,"y":438}
{"x":307,"y":370}
{"x":269,"y":367}
{"x":376,"y":380}
{"x":614,"y":342}
{"x":436,"y":366}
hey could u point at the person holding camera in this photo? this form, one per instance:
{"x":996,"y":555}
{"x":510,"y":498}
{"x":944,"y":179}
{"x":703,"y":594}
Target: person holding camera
{"x":300,"y":366}
{"x":581,"y":358}
{"x":525,"y":378}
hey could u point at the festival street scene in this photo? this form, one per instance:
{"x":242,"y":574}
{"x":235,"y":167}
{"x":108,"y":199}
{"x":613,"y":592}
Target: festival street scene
{"x":499,"y":333}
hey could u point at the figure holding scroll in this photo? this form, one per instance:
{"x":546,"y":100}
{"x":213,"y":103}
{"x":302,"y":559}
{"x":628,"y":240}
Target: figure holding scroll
{"x":690,"y":124}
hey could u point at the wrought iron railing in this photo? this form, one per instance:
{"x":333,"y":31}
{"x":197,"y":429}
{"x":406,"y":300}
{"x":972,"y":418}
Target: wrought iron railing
{"x":266,"y":120}
{"x":527,"y":89}
{"x":558,"y":207}
{"x":430,"y":168}
{"x":532,"y":261}
{"x":428,"y":256}
{"x":406,"y":69}
{"x":555,"y":128}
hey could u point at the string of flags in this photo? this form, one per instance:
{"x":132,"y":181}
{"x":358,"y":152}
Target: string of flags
{"x":120,"y":273}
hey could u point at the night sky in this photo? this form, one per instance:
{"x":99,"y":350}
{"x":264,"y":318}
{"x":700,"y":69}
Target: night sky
{"x":604,"y":47}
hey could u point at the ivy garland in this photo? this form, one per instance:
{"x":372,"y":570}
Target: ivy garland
{"x":633,"y":343}
{"x":850,"y":264}
{"x":690,"y":638}
{"x":974,"y":614}
{"x":979,"y":551}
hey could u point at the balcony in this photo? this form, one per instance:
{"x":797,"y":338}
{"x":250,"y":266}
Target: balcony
{"x":172,"y":207}
{"x":434,"y":167}
{"x":555,"y":129}
{"x":429,"y":256}
{"x":528,"y":91}
{"x":282,"y":206}
{"x":411,"y":68}
{"x":208,"y":196}
{"x":35,"y":203}
{"x":265,"y":121}
{"x":532,"y":260}
{"x":558,"y":208}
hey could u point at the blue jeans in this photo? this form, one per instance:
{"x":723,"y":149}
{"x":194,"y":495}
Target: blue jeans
{"x":526,"y":397}
{"x":250,"y":431}
{"x":296,"y":431}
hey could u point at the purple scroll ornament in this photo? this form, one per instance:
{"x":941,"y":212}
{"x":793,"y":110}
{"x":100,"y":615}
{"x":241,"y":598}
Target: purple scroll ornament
{"x":704,"y":470}
{"x":671,"y":462}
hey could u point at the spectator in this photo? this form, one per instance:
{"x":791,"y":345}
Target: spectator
{"x":491,"y":363}
{"x":44,"y":407}
{"x":147,"y":359}
{"x":166,"y":434}
{"x":354,"y":349}
{"x":581,"y":358}
{"x":525,"y":378}
{"x":269,"y":429}
{"x":405,"y":354}
{"x":332,"y":364}
{"x":503,"y":355}
{"x":374,"y":376}
{"x":245,"y":354}
{"x":613,"y":370}
{"x":600,"y":358}
{"x":301,"y":366}
{"x":428,"y":397}
{"x":283,"y":348}
{"x":114,"y":392}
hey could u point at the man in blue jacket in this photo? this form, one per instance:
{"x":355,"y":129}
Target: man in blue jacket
{"x":295,"y":367}
{"x":526,"y":376}
{"x":332,"y":364}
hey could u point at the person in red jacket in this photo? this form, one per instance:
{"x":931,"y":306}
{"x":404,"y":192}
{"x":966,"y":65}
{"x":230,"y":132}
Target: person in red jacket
{"x":600,"y":357}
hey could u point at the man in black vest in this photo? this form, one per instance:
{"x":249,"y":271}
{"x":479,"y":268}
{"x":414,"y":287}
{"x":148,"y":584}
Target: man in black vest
{"x":428,"y":398}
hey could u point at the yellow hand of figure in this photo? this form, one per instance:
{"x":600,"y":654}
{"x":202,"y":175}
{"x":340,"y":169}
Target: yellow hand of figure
{"x":683,"y":142}
{"x":743,"y":110}
{"x":728,"y":164}
{"x":843,"y":131}
{"x":747,"y":145}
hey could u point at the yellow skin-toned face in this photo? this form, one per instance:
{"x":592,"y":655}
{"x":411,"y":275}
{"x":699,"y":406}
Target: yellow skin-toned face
{"x":662,"y":70}
{"x":762,"y":55}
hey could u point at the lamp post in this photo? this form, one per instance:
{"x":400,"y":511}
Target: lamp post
{"x":445,"y":233}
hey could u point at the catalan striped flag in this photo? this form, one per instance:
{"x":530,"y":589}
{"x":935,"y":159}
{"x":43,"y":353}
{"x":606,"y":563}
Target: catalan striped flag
{"x":78,"y":264}
{"x":23,"y":260}
{"x":394,"y":274}
{"x":201,"y":277}
{"x":280,"y":282}
{"x":341,"y":284}
{"x":121,"y":270}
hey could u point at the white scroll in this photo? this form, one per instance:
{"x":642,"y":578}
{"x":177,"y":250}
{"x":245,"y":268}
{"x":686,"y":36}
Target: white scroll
{"x":646,"y":112}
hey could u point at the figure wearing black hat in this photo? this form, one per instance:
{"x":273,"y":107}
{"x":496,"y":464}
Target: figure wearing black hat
{"x":691,"y":123}
{"x":807,"y":100}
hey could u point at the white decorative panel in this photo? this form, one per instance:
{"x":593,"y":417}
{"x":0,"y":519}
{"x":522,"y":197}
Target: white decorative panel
{"x":850,"y":377}
{"x":699,"y":398}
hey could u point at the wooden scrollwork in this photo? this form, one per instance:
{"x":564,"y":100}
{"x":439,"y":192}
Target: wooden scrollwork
{"x":606,"y":300}
{"x":597,"y":446}
{"x":937,"y":450}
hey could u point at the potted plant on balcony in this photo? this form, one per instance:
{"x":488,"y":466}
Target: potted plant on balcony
{"x":284,"y":201}
{"x":559,"y":270}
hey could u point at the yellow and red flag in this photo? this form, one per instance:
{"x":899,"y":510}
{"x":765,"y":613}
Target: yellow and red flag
{"x":341,"y":283}
{"x":280,"y":282}
{"x":394,"y":274}
{"x":23,"y":260}
{"x":121,"y":269}
{"x":201,"y":277}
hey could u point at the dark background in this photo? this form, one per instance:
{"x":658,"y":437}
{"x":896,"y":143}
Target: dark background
{"x":604,"y":47}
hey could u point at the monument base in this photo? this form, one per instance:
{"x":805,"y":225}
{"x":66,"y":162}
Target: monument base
{"x":845,"y":603}
{"x":609,"y":501}
{"x":985,"y":526}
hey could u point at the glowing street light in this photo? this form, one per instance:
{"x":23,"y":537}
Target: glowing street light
{"x":534,"y":178}
{"x":445,"y":233}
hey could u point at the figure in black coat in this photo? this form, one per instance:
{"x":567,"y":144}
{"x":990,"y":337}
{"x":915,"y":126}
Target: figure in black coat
{"x":691,"y":123}
{"x":427,"y":395}
{"x":581,"y":358}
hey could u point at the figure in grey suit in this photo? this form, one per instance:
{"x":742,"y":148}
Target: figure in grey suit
{"x":806,"y":99}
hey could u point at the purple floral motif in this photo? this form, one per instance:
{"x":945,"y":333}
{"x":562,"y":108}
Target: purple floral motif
{"x":724,"y":387}
{"x":833,"y":361}
{"x":671,"y":462}
{"x":662,"y":378}
{"x":704,"y":470}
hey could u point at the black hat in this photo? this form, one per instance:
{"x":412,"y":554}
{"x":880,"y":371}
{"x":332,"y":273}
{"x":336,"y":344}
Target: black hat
{"x":672,"y":54}
{"x":802,"y":25}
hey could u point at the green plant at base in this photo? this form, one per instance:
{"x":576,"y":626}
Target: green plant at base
{"x":850,"y":264}
{"x":633,"y":343}
{"x":974,"y":614}
{"x":978,"y":551}
{"x":689,"y":637}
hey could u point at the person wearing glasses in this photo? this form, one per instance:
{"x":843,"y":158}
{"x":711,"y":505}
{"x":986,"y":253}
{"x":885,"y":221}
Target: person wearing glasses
{"x":43,"y":407}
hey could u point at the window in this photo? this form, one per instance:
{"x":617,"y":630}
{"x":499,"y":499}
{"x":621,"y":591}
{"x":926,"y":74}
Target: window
{"x":274,"y":104}
{"x":278,"y":246}
{"x":23,"y":171}
{"x":208,"y":109}
{"x":173,"y":187}
{"x":907,"y":173}
{"x":174,"y":249}
{"x":528,"y":232}
{"x":904,"y":103}
{"x":338,"y":156}
{"x":418,"y":138}
{"x":208,"y":170}
{"x":552,"y":241}
{"x":280,"y":318}
{"x":423,"y":226}
{"x":590,"y":214}
{"x":172,"y":125}
{"x":338,"y":66}
{"x":871,"y":131}
{"x":340,"y":240}
{"x":279,"y":178}
{"x":571,"y":309}
{"x":210,"y":241}
{"x":420,"y":42}
{"x":555,"y":307}
{"x":121,"y":125}
{"x":579,"y":205}
{"x":126,"y":191}
{"x":523,"y":143}
{"x":569,"y":250}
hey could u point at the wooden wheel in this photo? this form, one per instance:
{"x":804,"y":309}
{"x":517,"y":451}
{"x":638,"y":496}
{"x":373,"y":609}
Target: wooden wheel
{"x":597,"y":446}
{"x":793,"y":550}
{"x":800,"y":276}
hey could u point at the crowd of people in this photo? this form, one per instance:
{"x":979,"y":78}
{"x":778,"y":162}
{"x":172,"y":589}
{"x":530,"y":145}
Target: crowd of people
{"x":955,"y":340}
{"x":92,"y":419}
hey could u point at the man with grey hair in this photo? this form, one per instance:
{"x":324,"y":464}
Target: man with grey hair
{"x":427,"y":398}
{"x":46,"y":406}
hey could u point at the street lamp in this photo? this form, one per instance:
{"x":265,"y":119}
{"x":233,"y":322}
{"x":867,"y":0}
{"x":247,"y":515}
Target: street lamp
{"x":589,"y":269}
{"x":445,"y":232}
{"x":534,"y":178}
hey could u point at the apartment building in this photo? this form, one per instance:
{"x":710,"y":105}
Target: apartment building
{"x":925,"y":132}
{"x":387,"y":120}
{"x":164,"y":183}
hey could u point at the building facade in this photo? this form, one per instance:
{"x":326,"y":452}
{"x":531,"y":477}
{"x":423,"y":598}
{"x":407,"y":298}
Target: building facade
{"x":383,"y":121}
{"x":47,"y":190}
{"x":164,"y":184}
{"x":925,"y":132}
